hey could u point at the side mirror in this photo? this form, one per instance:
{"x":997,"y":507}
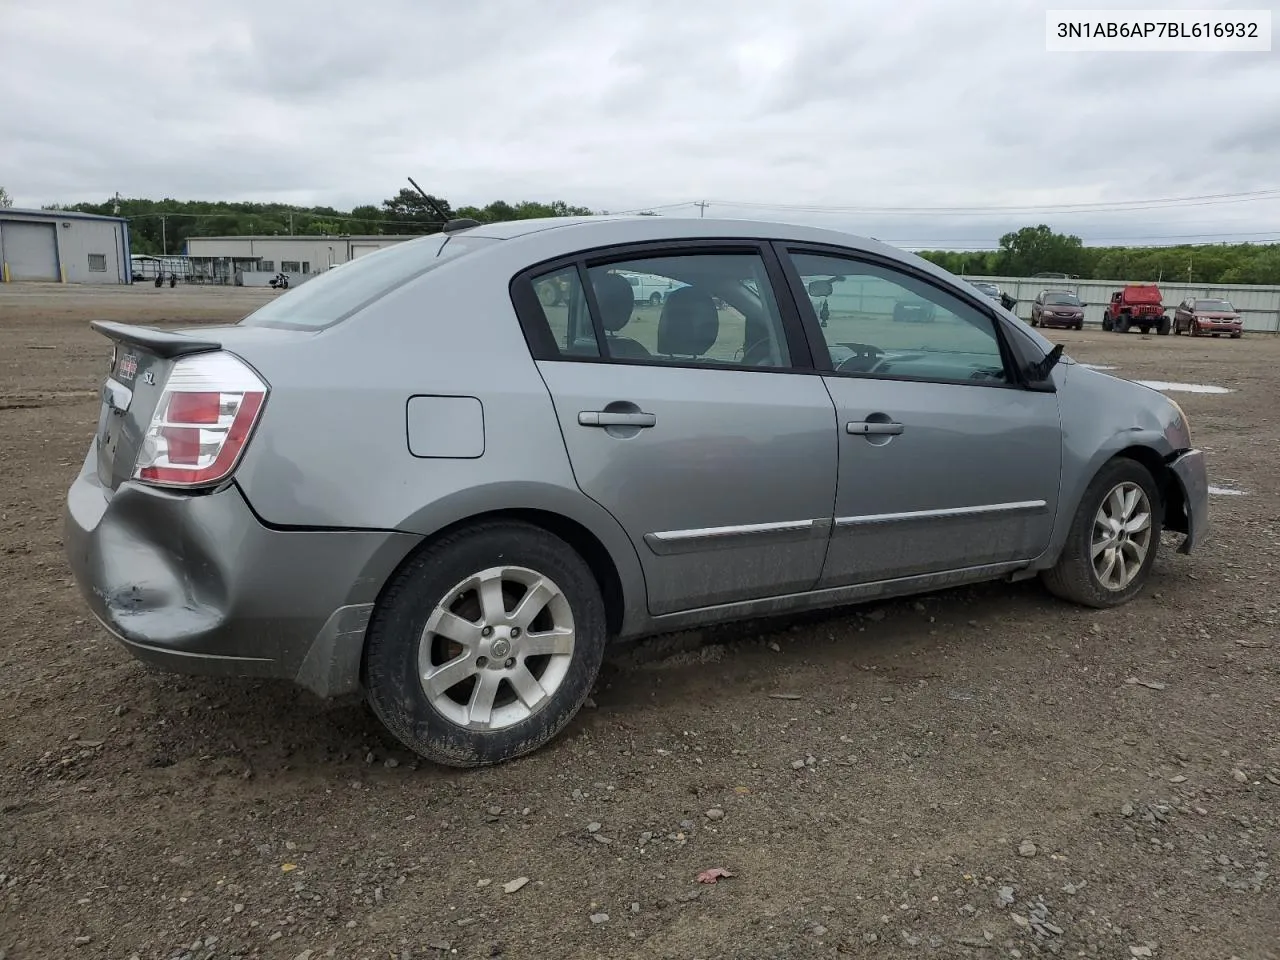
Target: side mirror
{"x":1038,"y":372}
{"x":820,"y":288}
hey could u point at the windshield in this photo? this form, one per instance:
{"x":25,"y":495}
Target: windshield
{"x":335,"y":295}
{"x":1062,"y":299}
{"x":1222,"y":306}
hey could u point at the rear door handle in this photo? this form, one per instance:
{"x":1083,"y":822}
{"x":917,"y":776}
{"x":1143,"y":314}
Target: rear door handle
{"x":870,"y":428}
{"x":607,"y":418}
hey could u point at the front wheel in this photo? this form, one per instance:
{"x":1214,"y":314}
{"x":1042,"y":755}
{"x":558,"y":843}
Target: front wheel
{"x":1106,"y":322}
{"x":485,"y":645}
{"x":1112,"y":543}
{"x":1121,"y":324}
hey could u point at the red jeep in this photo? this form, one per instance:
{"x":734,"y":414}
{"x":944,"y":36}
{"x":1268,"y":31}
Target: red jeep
{"x":1137,"y":305}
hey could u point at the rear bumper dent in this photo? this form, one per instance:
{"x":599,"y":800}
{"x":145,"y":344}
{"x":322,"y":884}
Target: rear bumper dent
{"x":197,"y":585}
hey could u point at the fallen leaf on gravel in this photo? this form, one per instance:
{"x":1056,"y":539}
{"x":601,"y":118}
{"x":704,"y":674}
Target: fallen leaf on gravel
{"x":286,"y":867}
{"x":712,"y":875}
{"x":784,"y":696}
{"x":1149,"y":684}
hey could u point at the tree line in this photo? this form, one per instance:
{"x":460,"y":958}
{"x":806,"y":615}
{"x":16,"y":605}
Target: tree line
{"x":1039,"y":249}
{"x":157,"y":226}
{"x":163,"y":226}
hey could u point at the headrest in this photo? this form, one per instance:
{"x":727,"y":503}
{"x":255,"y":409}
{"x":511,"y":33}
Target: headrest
{"x":689,"y":324}
{"x":616,"y":300}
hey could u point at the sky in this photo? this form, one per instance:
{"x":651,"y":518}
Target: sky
{"x":951,"y":114}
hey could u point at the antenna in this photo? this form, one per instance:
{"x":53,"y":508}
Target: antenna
{"x":434,"y":206}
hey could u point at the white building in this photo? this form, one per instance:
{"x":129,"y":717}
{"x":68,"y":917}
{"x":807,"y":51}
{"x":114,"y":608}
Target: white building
{"x":299,"y":257}
{"x":61,"y":246}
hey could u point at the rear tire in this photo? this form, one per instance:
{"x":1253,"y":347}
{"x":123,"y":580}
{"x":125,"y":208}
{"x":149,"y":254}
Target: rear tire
{"x":507,"y":677}
{"x":1077,"y":576}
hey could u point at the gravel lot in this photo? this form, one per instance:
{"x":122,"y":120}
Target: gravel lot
{"x":982,"y":772}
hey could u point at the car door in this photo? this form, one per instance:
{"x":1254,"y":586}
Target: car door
{"x":946,"y":463}
{"x":701,"y":429}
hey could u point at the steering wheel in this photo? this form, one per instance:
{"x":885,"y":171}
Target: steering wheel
{"x":865,"y":357}
{"x":759,"y":354}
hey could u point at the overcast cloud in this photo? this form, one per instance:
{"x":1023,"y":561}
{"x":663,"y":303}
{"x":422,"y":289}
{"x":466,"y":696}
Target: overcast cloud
{"x":827,"y":103}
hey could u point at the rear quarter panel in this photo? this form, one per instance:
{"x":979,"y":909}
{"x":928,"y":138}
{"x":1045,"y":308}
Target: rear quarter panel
{"x":332,"y":449}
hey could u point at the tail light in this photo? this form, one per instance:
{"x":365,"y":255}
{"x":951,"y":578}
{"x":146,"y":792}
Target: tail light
{"x":202,"y":423}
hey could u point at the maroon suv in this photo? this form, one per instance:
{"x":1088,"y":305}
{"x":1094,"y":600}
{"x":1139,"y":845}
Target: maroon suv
{"x":1207,"y":316}
{"x":1057,"y":308}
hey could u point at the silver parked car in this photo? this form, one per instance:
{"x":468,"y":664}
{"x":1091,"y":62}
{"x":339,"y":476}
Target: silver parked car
{"x":446,"y":474}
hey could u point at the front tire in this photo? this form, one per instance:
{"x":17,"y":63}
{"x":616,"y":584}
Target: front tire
{"x":1113,"y":540}
{"x":485,"y":645}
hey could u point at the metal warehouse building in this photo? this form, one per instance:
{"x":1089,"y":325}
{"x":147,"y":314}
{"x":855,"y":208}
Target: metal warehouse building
{"x":62,"y":246}
{"x":292,"y":255}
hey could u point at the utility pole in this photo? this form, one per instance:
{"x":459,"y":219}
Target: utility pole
{"x":702,"y":208}
{"x":291,"y":223}
{"x":164,"y":243}
{"x":1189,"y":259}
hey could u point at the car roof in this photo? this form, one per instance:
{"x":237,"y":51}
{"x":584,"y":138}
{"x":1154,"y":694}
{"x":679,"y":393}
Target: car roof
{"x":608,"y":229}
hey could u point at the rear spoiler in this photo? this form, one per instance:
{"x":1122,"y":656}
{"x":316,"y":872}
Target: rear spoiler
{"x":162,"y":343}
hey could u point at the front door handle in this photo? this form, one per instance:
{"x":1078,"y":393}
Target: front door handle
{"x":872,"y":428}
{"x":608,"y":418}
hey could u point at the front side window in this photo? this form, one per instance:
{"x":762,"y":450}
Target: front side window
{"x":878,"y":321}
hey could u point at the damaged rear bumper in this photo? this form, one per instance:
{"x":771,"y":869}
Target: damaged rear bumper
{"x":1193,"y":481}
{"x":197,"y":584}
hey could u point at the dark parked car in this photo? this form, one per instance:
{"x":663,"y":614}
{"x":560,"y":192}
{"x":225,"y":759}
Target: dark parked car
{"x":1057,"y":308}
{"x":1207,"y":316}
{"x":987,"y":289}
{"x":412,"y":478}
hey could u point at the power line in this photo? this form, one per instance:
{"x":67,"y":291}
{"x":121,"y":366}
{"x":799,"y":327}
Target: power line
{"x":1099,"y":206}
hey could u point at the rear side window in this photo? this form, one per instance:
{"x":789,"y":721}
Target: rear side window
{"x":564,"y":307}
{"x":335,"y":295}
{"x":695,"y":308}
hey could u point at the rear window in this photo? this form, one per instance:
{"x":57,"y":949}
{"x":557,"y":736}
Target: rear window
{"x":335,"y":295}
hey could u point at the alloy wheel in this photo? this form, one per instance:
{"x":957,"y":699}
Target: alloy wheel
{"x":496,"y":648}
{"x":1121,"y":536}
